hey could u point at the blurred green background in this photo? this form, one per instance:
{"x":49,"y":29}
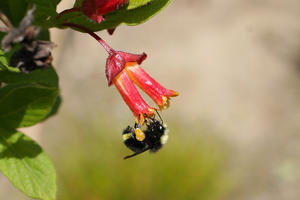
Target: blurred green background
{"x":92,"y":167}
{"x":234,"y":129}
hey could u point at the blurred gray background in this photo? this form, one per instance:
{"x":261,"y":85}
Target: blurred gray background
{"x":234,"y":129}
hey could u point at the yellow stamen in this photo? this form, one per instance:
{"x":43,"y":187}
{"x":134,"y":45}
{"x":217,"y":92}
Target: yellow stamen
{"x":152,"y":110}
{"x":142,"y":119}
{"x":165,"y":102}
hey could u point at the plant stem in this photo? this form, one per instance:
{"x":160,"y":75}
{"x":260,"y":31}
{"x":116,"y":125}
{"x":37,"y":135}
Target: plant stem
{"x":109,"y":50}
{"x":68,"y":11}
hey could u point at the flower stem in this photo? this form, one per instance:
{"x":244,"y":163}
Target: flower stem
{"x":109,"y":50}
{"x":68,"y":11}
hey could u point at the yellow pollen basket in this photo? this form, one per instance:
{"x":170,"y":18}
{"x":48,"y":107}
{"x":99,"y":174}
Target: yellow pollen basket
{"x":139,"y":134}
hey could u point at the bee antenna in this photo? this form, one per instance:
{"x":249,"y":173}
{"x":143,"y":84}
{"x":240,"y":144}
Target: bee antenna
{"x":159,"y":116}
{"x":135,"y":154}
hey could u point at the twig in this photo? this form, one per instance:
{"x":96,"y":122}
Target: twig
{"x":4,"y":29}
{"x":109,"y":50}
{"x":68,"y":11}
{"x":5,"y":20}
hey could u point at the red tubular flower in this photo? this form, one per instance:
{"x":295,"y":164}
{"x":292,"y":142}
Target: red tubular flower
{"x":123,"y":69}
{"x":158,"y":93}
{"x":132,"y":97}
{"x":96,"y":9}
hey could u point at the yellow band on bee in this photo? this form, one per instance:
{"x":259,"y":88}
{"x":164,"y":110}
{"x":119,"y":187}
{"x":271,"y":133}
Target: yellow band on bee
{"x":126,"y":136}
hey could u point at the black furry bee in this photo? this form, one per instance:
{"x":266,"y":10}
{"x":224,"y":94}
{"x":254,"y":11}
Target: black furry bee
{"x":152,"y":139}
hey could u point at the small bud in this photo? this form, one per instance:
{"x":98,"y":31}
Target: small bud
{"x":96,"y":9}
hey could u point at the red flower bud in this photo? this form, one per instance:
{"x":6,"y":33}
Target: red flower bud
{"x":95,"y":9}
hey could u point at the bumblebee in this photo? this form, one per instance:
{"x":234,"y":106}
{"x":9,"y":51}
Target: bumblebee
{"x":139,"y":141}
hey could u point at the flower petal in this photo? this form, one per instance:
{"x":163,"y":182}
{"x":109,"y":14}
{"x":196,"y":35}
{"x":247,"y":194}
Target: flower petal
{"x":129,"y":57}
{"x":157,"y":92}
{"x":132,"y":97}
{"x":114,"y":65}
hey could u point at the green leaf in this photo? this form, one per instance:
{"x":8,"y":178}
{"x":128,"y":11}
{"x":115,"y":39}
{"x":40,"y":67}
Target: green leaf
{"x":46,"y":77}
{"x":50,"y":4}
{"x":131,"y":5}
{"x":4,"y":57}
{"x":55,"y":107}
{"x":137,"y":3}
{"x":4,"y":64}
{"x":78,"y":3}
{"x":27,"y":98}
{"x":26,"y":165}
{"x":23,"y":105}
{"x":14,"y":10}
{"x":45,"y":11}
{"x":137,"y":12}
{"x":3,"y":61}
